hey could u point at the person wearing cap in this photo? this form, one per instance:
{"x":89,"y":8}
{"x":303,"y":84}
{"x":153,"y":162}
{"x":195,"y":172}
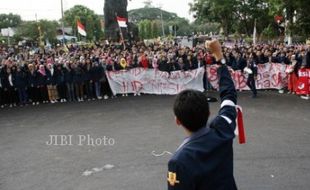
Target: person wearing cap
{"x":205,"y":159}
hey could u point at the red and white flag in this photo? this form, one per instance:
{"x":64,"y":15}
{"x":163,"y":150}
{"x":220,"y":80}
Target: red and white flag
{"x":303,"y":83}
{"x":240,"y":126}
{"x":81,"y":28}
{"x":122,"y":22}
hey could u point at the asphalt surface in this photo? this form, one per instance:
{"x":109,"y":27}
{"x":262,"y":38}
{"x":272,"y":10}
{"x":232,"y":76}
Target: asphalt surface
{"x":276,"y":157}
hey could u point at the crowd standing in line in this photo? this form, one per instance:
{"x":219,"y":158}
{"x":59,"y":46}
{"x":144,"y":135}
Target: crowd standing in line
{"x":77,"y":73}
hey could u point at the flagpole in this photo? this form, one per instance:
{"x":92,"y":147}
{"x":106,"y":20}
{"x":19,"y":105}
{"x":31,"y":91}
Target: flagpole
{"x":254,"y":33}
{"x":62,"y":23}
{"x":121,"y":33}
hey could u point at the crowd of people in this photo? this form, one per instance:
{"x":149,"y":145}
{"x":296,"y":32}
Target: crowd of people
{"x":77,"y":73}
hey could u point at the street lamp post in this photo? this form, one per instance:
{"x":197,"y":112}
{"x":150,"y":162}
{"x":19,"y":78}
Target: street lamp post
{"x":62,"y":22}
{"x":162,"y":21}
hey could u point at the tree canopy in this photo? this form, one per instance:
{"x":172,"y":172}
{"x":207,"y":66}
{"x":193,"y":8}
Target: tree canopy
{"x":9,"y":20}
{"x":88,"y":18}
{"x":239,"y":15}
{"x":32,"y":30}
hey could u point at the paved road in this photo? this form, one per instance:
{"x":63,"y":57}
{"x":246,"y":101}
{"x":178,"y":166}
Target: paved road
{"x":277,"y":155}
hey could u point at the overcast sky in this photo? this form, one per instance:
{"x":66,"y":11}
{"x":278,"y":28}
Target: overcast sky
{"x":50,"y":9}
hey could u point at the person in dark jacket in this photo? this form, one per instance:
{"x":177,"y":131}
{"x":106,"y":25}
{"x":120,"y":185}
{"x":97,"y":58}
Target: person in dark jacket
{"x":60,"y":82}
{"x":21,"y":84}
{"x":306,"y":64}
{"x":41,"y":83}
{"x":205,"y":159}
{"x":163,"y":65}
{"x":89,"y":85}
{"x":68,"y":75}
{"x":8,"y":87}
{"x":96,"y":75}
{"x":252,"y":65}
{"x":51,"y":84}
{"x":78,"y":82}
{"x":183,"y":65}
{"x":135,"y":61}
{"x":193,"y":62}
{"x":33,"y":87}
{"x":2,"y":103}
{"x":241,"y":62}
{"x":306,"y":58}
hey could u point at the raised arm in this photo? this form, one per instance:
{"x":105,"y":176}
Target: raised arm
{"x":228,"y":92}
{"x":227,"y":87}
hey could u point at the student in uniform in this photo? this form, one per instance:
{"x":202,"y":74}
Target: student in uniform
{"x":252,"y":76}
{"x":8,"y":87}
{"x":68,"y":75}
{"x":60,"y":83}
{"x":33,"y":87}
{"x":96,"y":75}
{"x":78,"y":82}
{"x":88,"y":80}
{"x":21,"y":84}
{"x":1,"y":89}
{"x":41,"y":83}
{"x":205,"y":158}
{"x":51,"y":85}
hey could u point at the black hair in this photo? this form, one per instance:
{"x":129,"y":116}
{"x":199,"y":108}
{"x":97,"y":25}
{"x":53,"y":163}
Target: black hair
{"x":191,"y":108}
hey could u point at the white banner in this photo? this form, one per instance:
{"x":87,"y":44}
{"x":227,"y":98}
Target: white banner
{"x":153,"y":81}
{"x":269,"y":76}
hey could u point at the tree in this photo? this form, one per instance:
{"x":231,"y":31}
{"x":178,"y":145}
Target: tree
{"x":154,"y":15}
{"x":87,"y":17}
{"x":205,"y":28}
{"x":221,"y":11}
{"x":9,"y":20}
{"x":148,"y":29}
{"x":247,"y":11}
{"x":302,"y":24}
{"x":155,"y":28}
{"x":32,"y":30}
{"x":151,"y":13}
{"x":296,"y":13}
{"x":142,"y":33}
{"x":269,"y":32}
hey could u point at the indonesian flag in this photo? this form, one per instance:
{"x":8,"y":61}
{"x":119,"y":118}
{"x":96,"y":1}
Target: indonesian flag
{"x":122,"y":22}
{"x":81,"y":28}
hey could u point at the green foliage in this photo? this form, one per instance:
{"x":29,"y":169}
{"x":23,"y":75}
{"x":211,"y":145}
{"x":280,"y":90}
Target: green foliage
{"x":269,"y":33}
{"x":205,"y":28}
{"x":150,"y":13}
{"x":153,"y":15}
{"x":88,"y":18}
{"x":155,"y":28}
{"x":9,"y":20}
{"x":239,"y":15}
{"x":30,"y":30}
{"x":221,"y":11}
{"x":149,"y":29}
{"x":249,"y":11}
